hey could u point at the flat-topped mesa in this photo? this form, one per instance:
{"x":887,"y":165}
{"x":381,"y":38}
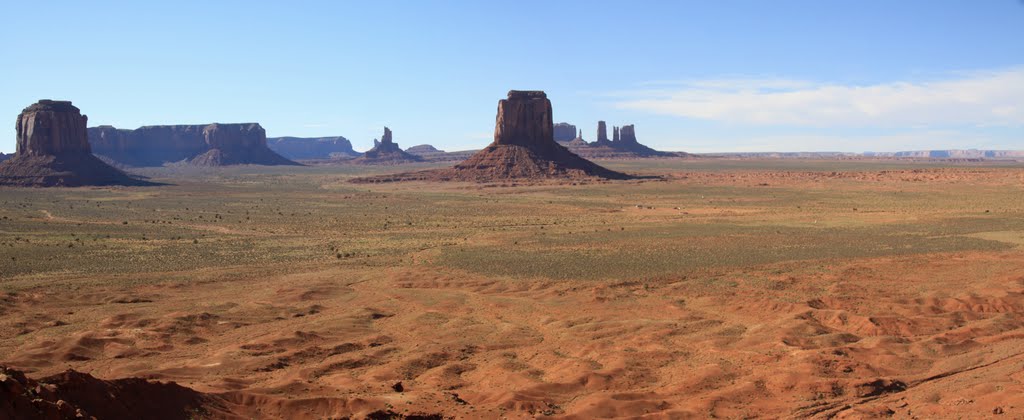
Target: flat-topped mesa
{"x":53,"y":150}
{"x":524,"y":119}
{"x":237,"y":144}
{"x":564,"y":132}
{"x":312,"y":147}
{"x":209,"y":145}
{"x":52,"y":127}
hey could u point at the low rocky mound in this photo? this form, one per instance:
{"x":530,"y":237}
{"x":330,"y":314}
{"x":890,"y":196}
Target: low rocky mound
{"x":423,"y":149}
{"x":63,"y":171}
{"x":514,"y":161}
{"x":523,"y":148}
{"x":4,"y":157}
{"x":53,"y":150}
{"x":431,"y":154}
{"x":575,"y":142}
{"x":386,"y":152}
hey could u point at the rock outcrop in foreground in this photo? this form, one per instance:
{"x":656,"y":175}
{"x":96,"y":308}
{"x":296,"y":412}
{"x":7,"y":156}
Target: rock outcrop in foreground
{"x":73,"y":395}
{"x":298,"y":148}
{"x":524,"y":148}
{"x":386,"y":152}
{"x":204,"y":145}
{"x":53,"y":150}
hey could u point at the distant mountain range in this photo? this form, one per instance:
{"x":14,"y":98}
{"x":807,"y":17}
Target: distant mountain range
{"x":953,"y":154}
{"x":914,"y":154}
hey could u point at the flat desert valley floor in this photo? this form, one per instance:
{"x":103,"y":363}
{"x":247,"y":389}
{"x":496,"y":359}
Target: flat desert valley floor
{"x":730,"y":289}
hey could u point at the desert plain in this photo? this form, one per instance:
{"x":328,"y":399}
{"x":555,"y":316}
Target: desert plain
{"x":724,"y":289}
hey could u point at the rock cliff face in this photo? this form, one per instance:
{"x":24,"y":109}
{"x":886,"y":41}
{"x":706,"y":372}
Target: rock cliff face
{"x":385,"y":152}
{"x":524,"y":119}
{"x":524,"y":148}
{"x":626,"y":134}
{"x":51,"y":128}
{"x":565,"y":132}
{"x":53,"y":150}
{"x":212,"y":144}
{"x":298,"y":148}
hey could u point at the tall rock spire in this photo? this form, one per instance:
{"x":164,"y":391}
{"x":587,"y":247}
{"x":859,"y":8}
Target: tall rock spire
{"x":602,"y":132}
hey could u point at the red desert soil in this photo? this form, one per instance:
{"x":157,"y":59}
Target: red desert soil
{"x":915,"y":341}
{"x":927,"y":335}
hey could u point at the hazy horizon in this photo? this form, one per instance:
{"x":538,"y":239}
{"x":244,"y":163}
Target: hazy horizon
{"x":699,"y":77}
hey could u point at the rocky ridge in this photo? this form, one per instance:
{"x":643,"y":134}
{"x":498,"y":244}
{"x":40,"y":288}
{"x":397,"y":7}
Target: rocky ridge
{"x":204,"y":145}
{"x":300,"y":148}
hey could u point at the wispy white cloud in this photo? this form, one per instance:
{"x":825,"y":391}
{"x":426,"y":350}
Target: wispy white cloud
{"x":838,"y":142}
{"x":982,"y":98}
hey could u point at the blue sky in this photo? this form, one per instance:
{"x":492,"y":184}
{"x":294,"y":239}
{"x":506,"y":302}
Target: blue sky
{"x":695,"y":76}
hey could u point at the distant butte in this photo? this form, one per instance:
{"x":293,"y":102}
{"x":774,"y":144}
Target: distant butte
{"x":299,"y":148}
{"x":53,"y":150}
{"x":564,"y":131}
{"x":386,"y":152}
{"x":623,"y":144}
{"x":524,"y":148}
